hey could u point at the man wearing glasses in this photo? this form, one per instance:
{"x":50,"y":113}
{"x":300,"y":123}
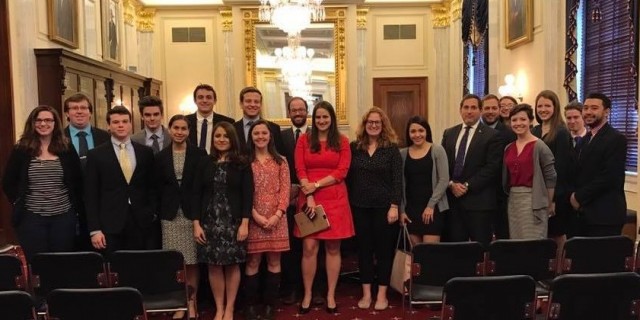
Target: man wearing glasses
{"x":83,"y":136}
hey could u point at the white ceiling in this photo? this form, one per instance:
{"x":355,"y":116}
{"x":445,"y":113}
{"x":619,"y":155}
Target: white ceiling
{"x":177,"y":3}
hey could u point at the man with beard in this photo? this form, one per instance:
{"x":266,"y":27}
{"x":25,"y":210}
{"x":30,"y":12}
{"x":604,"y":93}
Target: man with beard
{"x":599,"y":196}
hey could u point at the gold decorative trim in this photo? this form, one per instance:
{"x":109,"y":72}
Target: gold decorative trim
{"x":456,"y":10}
{"x":441,"y":16}
{"x":335,"y":15}
{"x":145,"y":21}
{"x":361,"y":21}
{"x":129,"y":7}
{"x":227,"y":20}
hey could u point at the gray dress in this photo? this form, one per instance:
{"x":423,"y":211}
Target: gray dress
{"x":177,"y":234}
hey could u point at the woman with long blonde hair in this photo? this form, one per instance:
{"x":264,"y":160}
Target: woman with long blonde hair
{"x":375,"y":192}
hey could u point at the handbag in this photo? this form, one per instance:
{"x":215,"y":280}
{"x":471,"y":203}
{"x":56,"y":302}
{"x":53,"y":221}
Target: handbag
{"x":308,"y":226}
{"x":402,"y":263}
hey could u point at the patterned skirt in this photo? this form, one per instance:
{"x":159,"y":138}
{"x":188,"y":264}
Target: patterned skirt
{"x":177,"y":234}
{"x":524,"y":222}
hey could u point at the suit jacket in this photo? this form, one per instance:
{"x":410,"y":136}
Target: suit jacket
{"x":481,"y":169}
{"x":107,"y":194}
{"x":600,"y":179}
{"x":239,"y":187}
{"x":99,"y":136}
{"x":506,"y":134}
{"x":172,"y":194}
{"x":275,"y":132}
{"x":192,"y":120}
{"x":289,"y":146}
{"x":141,"y":138}
{"x":15,"y":181}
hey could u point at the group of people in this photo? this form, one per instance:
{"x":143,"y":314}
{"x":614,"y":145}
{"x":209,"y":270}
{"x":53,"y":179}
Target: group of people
{"x":224,"y":192}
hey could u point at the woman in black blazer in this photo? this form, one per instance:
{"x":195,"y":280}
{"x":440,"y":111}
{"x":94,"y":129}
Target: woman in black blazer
{"x":43,"y":180}
{"x":176,"y":170}
{"x":223,"y":199}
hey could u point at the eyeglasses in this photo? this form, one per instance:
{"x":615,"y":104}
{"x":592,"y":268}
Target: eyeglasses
{"x":374,"y":123}
{"x":45,"y":121}
{"x":81,"y":108}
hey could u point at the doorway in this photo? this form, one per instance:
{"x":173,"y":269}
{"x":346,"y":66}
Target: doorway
{"x":401,"y":98}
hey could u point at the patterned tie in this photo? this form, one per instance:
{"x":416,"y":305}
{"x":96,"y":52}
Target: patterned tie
{"x":297,"y":134}
{"x":203,"y":135}
{"x":83,"y":146}
{"x":462,"y":150}
{"x":155,"y":146}
{"x":125,"y":164}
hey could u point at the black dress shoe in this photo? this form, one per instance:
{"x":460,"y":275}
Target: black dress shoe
{"x":303,"y":310}
{"x":268,"y":313}
{"x":333,"y":310}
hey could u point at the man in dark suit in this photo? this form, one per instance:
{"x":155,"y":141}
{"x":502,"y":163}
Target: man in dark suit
{"x":474,"y":154}
{"x":83,"y":136}
{"x":154,"y":135}
{"x":202,"y":121}
{"x":251,"y":104}
{"x":599,"y":196}
{"x":119,"y":195}
{"x":575,"y":123}
{"x":491,"y":117}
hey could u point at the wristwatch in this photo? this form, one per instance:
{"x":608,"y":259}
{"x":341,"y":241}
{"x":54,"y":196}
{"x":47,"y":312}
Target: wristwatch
{"x":466,"y":185}
{"x":316,"y":184}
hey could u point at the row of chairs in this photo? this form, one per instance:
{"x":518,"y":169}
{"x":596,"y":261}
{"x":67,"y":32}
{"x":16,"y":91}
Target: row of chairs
{"x":435,"y":264}
{"x":159,"y":275}
{"x":610,"y":296}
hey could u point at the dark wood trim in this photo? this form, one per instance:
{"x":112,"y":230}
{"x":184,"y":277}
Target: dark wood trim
{"x":6,"y":119}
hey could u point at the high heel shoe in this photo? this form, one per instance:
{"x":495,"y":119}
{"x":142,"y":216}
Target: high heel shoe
{"x":333,"y":310}
{"x":303,"y":310}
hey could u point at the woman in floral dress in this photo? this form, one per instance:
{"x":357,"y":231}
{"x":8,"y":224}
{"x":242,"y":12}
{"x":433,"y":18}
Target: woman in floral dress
{"x":268,"y":231}
{"x":223,"y":193}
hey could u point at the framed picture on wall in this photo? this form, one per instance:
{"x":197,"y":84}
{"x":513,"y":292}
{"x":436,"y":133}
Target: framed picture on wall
{"x":63,"y":21}
{"x":111,"y":39}
{"x":518,"y":22}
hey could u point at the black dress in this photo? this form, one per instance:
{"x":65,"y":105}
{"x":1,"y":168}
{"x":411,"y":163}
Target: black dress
{"x":419,"y":188}
{"x":220,"y":225}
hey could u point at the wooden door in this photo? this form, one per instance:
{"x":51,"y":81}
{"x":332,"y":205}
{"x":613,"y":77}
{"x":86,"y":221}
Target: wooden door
{"x":6,"y":120}
{"x":401,"y":98}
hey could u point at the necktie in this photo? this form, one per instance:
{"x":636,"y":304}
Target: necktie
{"x":155,"y":146}
{"x":297,"y":134}
{"x":203,"y":134}
{"x":462,"y":150}
{"x":246,"y":130}
{"x":83,"y":146}
{"x":125,"y":164}
{"x":576,"y":141}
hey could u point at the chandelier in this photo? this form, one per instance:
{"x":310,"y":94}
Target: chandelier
{"x":291,"y":16}
{"x":296,"y":66}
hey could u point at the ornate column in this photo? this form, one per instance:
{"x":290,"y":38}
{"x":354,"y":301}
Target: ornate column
{"x":227,"y":31}
{"x":441,"y":78}
{"x":130,"y":61}
{"x":361,"y":24}
{"x":144,"y":27}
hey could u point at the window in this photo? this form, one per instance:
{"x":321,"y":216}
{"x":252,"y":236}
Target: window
{"x":477,"y":64}
{"x":608,"y":63}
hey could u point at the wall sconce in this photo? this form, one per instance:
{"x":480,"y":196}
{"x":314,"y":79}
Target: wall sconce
{"x":187,"y":106}
{"x":509,"y":88}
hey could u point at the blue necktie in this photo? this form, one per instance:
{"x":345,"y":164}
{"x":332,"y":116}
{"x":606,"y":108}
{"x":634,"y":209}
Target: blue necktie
{"x":462,"y":150}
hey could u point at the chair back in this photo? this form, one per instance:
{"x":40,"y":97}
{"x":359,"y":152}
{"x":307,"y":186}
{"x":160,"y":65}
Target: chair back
{"x":440,"y":262}
{"x":16,"y":305}
{"x":535,"y":258}
{"x":598,"y":255}
{"x":158,"y":274}
{"x":12,"y":276}
{"x":95,"y":304}
{"x":70,"y":270}
{"x":489,"y":298}
{"x":611,"y":296}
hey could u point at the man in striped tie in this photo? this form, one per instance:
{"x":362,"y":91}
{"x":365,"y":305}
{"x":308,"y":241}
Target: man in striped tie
{"x":119,"y":193}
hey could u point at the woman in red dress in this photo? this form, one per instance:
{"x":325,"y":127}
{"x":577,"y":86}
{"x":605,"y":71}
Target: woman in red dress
{"x":268,"y":231}
{"x":322,"y":159}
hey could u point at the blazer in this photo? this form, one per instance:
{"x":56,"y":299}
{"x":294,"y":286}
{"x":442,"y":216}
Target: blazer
{"x":192,"y":120}
{"x":141,"y":138}
{"x":108,"y":197}
{"x":600,"y":179}
{"x":171,"y":194}
{"x":563,"y":153}
{"x":289,"y":147}
{"x":239,"y":188}
{"x":505,"y":133}
{"x":15,"y":181}
{"x":99,"y":136}
{"x":439,"y":179}
{"x":481,"y":167}
{"x":275,"y":132}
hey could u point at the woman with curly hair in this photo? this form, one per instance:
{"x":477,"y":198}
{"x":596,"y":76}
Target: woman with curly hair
{"x":375,"y":192}
{"x":43,"y":180}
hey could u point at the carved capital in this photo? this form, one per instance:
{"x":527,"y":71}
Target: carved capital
{"x":441,"y":15}
{"x":145,"y":17}
{"x":227,"y":20}
{"x":129,"y":7}
{"x":361,"y":21}
{"x":456,"y":10}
